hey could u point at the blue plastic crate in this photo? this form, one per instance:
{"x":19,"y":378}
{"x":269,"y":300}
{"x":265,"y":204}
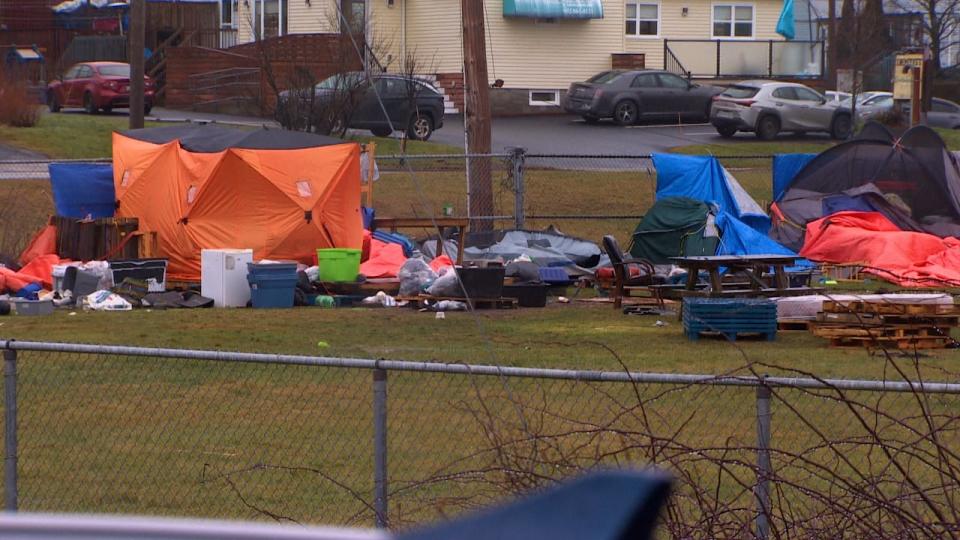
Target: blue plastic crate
{"x":730,"y":317}
{"x":554,"y":276}
{"x":272,"y":285}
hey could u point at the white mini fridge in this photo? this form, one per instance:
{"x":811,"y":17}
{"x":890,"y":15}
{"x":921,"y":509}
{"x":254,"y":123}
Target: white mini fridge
{"x":223,"y":276}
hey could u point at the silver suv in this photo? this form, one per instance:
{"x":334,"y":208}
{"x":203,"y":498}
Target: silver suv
{"x":767,"y":108}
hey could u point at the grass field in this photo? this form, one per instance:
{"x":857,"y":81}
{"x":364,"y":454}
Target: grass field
{"x":83,"y":136}
{"x":167,"y":436}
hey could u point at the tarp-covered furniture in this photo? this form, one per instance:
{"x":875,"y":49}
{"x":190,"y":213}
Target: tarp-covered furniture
{"x":702,"y":178}
{"x":281,"y":193}
{"x":674,"y":226}
{"x":624,"y":280}
{"x":913,"y":181}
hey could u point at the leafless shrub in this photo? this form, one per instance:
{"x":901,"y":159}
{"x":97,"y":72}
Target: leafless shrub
{"x":17,"y":109}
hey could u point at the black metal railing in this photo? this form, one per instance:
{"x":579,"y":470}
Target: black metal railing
{"x":738,"y":58}
{"x":672,"y":64}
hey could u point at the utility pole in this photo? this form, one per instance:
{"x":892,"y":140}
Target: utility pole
{"x":138,"y":23}
{"x":832,"y":43}
{"x":476,"y":114}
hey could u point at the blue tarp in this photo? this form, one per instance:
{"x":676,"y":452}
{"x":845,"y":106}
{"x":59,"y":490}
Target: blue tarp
{"x":82,"y":189}
{"x":785,"y":25}
{"x":703,"y":178}
{"x":738,"y":238}
{"x":785,"y":169}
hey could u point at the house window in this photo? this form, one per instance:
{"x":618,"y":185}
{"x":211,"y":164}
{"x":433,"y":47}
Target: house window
{"x":354,"y":11}
{"x":270,"y":18}
{"x":544,"y":98}
{"x":228,"y":13}
{"x":642,"y":19}
{"x":732,"y":21}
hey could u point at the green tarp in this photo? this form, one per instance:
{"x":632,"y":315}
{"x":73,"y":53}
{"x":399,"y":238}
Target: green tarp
{"x":554,"y":9}
{"x":673,"y":227}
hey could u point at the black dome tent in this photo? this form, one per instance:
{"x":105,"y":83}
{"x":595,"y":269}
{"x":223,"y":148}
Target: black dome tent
{"x":913,"y":180}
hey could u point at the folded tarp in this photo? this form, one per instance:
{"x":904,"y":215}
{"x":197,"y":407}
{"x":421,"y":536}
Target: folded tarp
{"x":703,"y":178}
{"x":83,"y":189}
{"x":385,"y":260}
{"x":869,"y":239}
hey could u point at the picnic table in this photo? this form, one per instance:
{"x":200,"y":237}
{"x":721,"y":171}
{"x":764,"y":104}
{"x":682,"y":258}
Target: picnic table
{"x":753,"y":267}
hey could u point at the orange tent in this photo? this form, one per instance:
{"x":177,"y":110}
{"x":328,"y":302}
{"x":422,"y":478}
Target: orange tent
{"x":282,"y":194}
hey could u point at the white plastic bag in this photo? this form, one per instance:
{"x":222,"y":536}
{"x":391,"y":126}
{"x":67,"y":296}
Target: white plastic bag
{"x":107,"y":301}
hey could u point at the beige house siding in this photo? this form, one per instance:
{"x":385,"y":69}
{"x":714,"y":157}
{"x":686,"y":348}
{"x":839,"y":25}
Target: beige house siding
{"x":534,"y":54}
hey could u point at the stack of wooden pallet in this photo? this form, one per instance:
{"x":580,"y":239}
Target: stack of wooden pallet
{"x":886,"y":325}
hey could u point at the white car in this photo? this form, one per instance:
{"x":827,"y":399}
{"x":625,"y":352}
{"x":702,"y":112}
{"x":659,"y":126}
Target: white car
{"x":835,"y":95}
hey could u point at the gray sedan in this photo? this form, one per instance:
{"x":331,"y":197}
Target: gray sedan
{"x":628,"y":96}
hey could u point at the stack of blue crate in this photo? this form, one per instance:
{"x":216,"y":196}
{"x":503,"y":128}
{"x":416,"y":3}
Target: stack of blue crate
{"x":730,"y":317}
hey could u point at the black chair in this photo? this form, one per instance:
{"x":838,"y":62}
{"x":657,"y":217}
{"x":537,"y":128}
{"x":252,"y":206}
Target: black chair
{"x":624,"y":282}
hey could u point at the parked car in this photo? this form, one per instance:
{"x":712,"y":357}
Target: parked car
{"x":419,"y":122}
{"x":627,"y":96}
{"x":768,"y":108}
{"x":942,"y":114}
{"x":836,"y":95}
{"x":97,"y":86}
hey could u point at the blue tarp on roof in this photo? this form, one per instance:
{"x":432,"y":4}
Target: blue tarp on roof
{"x":83,"y":189}
{"x":785,"y":169}
{"x":704,"y":179}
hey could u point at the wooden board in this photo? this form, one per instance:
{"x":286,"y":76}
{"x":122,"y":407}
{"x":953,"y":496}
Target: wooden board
{"x":943,"y":320}
{"x":887,"y":308}
{"x":930,"y":342}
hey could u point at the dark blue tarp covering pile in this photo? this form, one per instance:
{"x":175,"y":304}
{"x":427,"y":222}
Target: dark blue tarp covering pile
{"x":82,"y":189}
{"x":738,"y":238}
{"x":785,"y":168}
{"x":703,"y":178}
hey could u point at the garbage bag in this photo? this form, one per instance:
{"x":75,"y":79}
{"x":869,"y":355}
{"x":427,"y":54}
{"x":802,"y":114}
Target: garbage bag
{"x":104,"y":300}
{"x":446,"y":285}
{"x":415,"y":276}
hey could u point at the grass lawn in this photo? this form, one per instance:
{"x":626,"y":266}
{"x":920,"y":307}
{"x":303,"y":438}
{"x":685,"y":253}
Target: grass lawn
{"x":82,"y":136}
{"x":182,"y":437}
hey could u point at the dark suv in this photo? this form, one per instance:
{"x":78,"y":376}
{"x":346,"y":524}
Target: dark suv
{"x":413,"y":105}
{"x":627,"y":96}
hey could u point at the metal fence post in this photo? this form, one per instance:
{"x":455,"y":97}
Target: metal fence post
{"x":764,"y":468}
{"x":517,"y":158}
{"x":10,"y":430}
{"x":380,"y":446}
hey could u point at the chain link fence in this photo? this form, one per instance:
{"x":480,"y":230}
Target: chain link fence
{"x":359,"y":442}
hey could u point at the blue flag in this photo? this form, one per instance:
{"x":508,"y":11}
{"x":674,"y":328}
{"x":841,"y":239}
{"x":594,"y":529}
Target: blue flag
{"x":785,"y":26}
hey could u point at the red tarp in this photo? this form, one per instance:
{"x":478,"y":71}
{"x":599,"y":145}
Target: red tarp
{"x":385,"y":260}
{"x":869,"y":239}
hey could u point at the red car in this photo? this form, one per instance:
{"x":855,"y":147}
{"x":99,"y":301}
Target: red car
{"x":96,"y":86}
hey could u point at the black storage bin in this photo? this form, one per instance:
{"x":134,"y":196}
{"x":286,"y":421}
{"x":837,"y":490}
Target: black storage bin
{"x":483,"y":283}
{"x":527,"y":295}
{"x":142,"y":269}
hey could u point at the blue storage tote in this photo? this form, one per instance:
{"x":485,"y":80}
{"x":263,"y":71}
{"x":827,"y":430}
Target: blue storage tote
{"x":272,"y":285}
{"x":730,"y":317}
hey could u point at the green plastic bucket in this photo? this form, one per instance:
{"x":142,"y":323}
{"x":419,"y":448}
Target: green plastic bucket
{"x":338,"y":264}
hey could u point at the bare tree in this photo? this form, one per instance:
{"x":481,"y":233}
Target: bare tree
{"x":413,"y":87}
{"x":940,"y":20}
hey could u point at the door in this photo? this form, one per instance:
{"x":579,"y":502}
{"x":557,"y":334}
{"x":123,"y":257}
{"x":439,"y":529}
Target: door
{"x":679,"y":99}
{"x":943,"y":114}
{"x":369,"y":113}
{"x":816,"y":114}
{"x":65,"y":83}
{"x":79,"y":84}
{"x":786,"y":104}
{"x":645,"y":88}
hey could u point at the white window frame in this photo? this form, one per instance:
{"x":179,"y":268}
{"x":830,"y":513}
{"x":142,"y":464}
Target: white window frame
{"x":733,"y":14}
{"x":234,"y":13}
{"x":555,"y":102}
{"x":639,"y":3}
{"x":260,"y":18}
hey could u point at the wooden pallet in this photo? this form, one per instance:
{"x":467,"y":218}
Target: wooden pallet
{"x":887,"y":308}
{"x":914,"y":342}
{"x":883,"y":325}
{"x":793,"y":325}
{"x":472,"y":303}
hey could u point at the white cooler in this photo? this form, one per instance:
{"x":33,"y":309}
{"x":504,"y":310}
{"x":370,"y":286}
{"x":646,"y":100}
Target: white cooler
{"x":223,"y":276}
